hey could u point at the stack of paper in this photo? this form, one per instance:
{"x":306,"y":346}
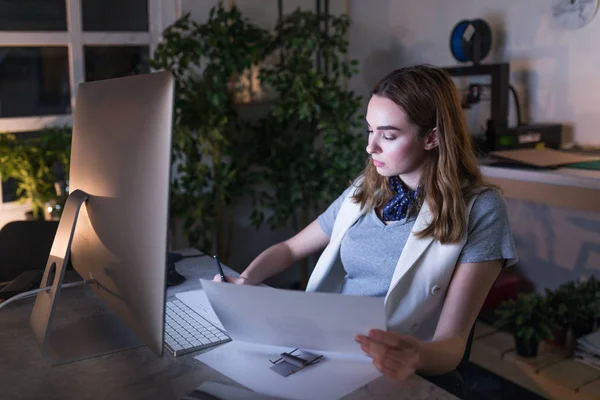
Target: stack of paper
{"x":588,"y":350}
{"x":543,"y":157}
{"x":265,"y":322}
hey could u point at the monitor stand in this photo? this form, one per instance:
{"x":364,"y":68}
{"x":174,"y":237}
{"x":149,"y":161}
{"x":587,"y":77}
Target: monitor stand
{"x":88,"y":336}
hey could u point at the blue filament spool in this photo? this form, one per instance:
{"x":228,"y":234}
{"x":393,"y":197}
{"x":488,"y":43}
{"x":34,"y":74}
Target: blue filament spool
{"x":456,"y":41}
{"x":471,"y":40}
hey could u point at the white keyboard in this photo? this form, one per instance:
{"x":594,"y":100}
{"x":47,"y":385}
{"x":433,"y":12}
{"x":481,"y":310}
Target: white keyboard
{"x":187,"y":331}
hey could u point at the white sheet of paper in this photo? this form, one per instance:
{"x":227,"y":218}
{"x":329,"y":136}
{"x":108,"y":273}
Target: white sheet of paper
{"x":294,"y":319}
{"x":226,"y":392}
{"x":197,"y":301}
{"x":248,"y":364}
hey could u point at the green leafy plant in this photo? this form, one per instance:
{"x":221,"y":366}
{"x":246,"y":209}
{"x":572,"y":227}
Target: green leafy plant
{"x":528,"y":318}
{"x":310,"y":142}
{"x":212,"y":165}
{"x":561,"y":303}
{"x":576,"y":305}
{"x":303,"y":153}
{"x":587,"y":306}
{"x":35,"y":163}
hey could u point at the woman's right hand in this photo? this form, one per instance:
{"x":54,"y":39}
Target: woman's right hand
{"x":238,"y":280}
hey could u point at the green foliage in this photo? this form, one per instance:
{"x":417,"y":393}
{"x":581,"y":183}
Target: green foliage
{"x":33,"y":163}
{"x":562,"y":302}
{"x":304,"y":151}
{"x":528,"y":318}
{"x":587,"y":309}
{"x":310,"y":142}
{"x":212,"y":165}
{"x":575,"y":303}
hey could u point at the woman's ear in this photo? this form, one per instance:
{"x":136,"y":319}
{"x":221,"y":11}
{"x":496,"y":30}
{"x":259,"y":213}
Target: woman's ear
{"x":431,"y":140}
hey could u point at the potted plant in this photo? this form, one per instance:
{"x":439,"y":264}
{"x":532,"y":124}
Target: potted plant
{"x":311,"y":141}
{"x":528,"y":318}
{"x":561,"y":303}
{"x":587,"y":307}
{"x":301,"y":154}
{"x":312,"y":145}
{"x":39,"y":164}
{"x":212,"y":164}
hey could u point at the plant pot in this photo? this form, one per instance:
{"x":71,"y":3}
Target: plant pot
{"x":527,"y":348}
{"x":560,"y":336}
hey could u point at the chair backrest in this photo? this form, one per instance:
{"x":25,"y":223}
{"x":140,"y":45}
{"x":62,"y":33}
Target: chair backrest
{"x":25,"y":245}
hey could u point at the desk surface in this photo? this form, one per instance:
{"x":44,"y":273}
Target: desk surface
{"x":571,"y":188}
{"x":136,"y":373}
{"x":570,"y":177}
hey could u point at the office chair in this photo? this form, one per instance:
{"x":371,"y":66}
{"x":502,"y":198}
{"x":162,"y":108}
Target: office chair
{"x":454,"y":381}
{"x":24,"y":246}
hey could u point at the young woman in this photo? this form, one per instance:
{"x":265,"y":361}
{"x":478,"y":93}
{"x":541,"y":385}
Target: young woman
{"x":418,"y":226}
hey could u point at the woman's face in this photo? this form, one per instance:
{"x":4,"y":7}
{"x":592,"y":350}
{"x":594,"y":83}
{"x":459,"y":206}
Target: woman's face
{"x":394,"y":144}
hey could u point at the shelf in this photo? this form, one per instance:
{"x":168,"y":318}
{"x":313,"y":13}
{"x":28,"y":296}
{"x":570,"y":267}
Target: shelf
{"x":553,"y":374}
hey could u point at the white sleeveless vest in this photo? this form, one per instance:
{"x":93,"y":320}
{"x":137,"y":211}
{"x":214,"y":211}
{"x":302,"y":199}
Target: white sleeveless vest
{"x":415,"y":298}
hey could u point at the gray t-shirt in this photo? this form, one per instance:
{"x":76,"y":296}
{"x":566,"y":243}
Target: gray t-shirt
{"x":370,"y":249}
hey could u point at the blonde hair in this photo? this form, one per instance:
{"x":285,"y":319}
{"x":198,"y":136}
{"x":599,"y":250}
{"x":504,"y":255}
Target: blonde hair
{"x":430,"y":100}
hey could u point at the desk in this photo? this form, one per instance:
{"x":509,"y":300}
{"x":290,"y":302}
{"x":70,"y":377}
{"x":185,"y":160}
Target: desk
{"x":136,"y":373}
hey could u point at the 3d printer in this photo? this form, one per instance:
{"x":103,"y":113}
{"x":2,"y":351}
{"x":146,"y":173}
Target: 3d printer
{"x":471,"y":41}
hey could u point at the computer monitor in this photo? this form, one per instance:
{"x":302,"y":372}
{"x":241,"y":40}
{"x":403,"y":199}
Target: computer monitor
{"x":114,"y":223}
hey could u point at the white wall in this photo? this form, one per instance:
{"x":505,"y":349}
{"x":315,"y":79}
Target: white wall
{"x":555,"y":244}
{"x":198,"y":9}
{"x":554,"y":67}
{"x":371,"y":44}
{"x":12,"y":212}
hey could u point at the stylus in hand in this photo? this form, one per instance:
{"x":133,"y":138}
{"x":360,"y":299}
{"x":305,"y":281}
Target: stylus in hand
{"x":220,"y":269}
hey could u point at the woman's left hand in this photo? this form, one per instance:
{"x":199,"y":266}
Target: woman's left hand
{"x":395,"y":355}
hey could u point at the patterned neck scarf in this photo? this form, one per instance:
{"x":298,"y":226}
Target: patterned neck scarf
{"x":397,"y":208}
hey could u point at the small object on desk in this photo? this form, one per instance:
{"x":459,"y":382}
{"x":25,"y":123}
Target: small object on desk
{"x":220,"y":269}
{"x":289,"y":363}
{"x":187,"y":331}
{"x":542,"y":158}
{"x":591,"y":165}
